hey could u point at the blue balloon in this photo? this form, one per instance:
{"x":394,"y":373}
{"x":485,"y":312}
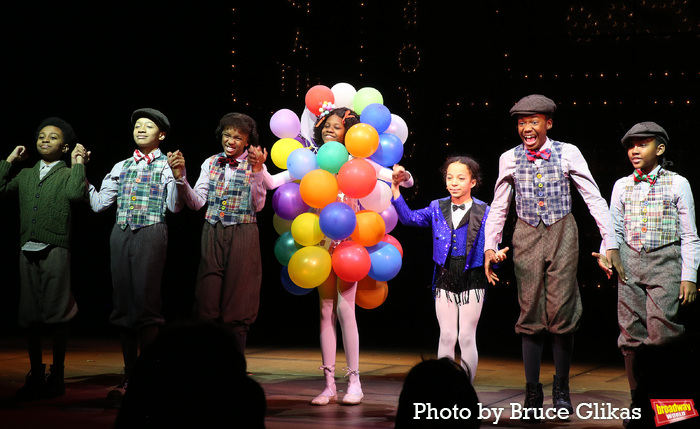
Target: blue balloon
{"x":290,"y":286}
{"x":337,"y":220}
{"x":300,"y":162}
{"x":389,"y":151}
{"x":377,"y":115}
{"x":386,"y":261}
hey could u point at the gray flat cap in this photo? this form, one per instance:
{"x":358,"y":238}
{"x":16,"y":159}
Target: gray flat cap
{"x":645,"y":129}
{"x":533,"y":104}
{"x":155,"y":115}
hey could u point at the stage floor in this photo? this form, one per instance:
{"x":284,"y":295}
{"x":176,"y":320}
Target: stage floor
{"x":291,"y":379}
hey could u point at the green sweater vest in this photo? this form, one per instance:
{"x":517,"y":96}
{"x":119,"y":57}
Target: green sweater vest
{"x":44,"y":206}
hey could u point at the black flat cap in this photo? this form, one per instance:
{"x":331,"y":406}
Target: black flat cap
{"x":155,"y":115}
{"x":533,"y":104}
{"x":645,"y":129}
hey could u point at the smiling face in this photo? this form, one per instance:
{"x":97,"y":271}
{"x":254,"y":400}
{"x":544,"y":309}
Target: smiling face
{"x":532,"y":130}
{"x":333,"y":130}
{"x":459,"y":182}
{"x":234,"y":142}
{"x":50,"y":144}
{"x":644,"y":153}
{"x":147,"y":135}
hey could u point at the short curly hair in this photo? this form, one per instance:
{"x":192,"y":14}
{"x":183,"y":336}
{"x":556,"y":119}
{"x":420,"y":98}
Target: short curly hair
{"x":352,"y":119}
{"x":241,"y":122}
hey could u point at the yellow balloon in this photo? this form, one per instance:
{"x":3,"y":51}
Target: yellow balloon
{"x":281,"y":225}
{"x":306,"y":229}
{"x":370,"y":228}
{"x":281,"y":150}
{"x":318,"y":188}
{"x":309,"y":266}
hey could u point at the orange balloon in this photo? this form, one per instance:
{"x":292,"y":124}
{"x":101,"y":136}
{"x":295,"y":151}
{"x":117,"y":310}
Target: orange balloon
{"x":371,"y":293}
{"x":318,"y":188}
{"x":357,"y":178}
{"x":361,"y":140}
{"x":370,"y":228}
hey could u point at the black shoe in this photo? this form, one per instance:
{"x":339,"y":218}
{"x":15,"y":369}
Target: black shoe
{"x":118,"y":392}
{"x":55,"y":385}
{"x":35,"y":385}
{"x":560,"y":394}
{"x":534,"y":399}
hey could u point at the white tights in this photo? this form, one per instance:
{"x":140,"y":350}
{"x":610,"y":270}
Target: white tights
{"x":338,"y":303}
{"x":458,"y":322}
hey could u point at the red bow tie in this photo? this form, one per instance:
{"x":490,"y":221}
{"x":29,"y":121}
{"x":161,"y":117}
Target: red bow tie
{"x":233,"y":162}
{"x":534,"y":154}
{"x":641,"y":177}
{"x":138,"y":156}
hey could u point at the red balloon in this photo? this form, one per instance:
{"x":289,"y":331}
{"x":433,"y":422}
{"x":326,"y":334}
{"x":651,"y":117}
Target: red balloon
{"x":392,"y":240}
{"x":315,"y":97}
{"x":351,"y":261}
{"x":357,"y":178}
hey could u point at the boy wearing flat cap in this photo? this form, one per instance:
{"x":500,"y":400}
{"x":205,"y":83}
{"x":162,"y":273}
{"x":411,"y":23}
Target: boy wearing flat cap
{"x":143,"y":187}
{"x":545,"y":242}
{"x":654,"y":216}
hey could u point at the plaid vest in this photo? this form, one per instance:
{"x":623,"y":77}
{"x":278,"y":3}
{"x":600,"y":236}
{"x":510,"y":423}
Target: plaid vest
{"x":651,"y":220}
{"x":141,"y":198}
{"x":231,"y":204}
{"x":541,"y":192}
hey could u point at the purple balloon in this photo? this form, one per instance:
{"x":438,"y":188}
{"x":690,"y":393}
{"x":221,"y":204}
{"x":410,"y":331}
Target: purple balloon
{"x":285,"y":124}
{"x":287,"y":202}
{"x":389,"y":151}
{"x":391,"y":218}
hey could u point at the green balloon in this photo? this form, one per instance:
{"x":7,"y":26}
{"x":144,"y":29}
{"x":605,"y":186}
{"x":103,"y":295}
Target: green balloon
{"x":364,"y":97}
{"x":285,"y":247}
{"x":331,"y":156}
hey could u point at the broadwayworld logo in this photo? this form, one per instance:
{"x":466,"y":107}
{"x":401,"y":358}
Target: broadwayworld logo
{"x":672,"y":410}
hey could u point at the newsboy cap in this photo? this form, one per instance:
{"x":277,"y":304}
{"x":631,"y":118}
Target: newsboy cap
{"x":533,"y":104}
{"x":155,"y":115}
{"x":645,"y":129}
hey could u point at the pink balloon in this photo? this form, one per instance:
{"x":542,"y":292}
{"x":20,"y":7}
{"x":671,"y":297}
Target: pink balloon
{"x":392,"y":240}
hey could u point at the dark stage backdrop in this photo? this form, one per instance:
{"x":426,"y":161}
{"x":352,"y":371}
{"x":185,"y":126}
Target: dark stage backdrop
{"x":450,"y":69}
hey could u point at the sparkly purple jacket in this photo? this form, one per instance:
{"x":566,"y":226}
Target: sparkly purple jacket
{"x":467,"y":239}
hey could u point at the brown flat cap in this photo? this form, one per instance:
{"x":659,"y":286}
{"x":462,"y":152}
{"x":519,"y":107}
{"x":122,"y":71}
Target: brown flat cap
{"x":645,"y":129}
{"x":533,"y":104}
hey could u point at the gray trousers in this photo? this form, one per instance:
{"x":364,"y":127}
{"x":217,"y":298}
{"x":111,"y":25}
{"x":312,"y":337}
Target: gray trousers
{"x":647,"y":304}
{"x":45,"y":287}
{"x":546,"y":263}
{"x":137,"y":263}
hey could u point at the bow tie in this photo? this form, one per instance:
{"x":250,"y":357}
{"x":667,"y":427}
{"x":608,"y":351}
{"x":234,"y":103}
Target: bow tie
{"x":456,"y":207}
{"x":640,"y":177}
{"x":139,"y":156}
{"x":534,"y":154}
{"x":230,"y":161}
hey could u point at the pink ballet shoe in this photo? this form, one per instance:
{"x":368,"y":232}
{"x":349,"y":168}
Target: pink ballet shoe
{"x":329,"y":395}
{"x":354,"y":394}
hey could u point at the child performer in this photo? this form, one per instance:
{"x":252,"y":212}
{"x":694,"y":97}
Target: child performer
{"x":654,"y":215}
{"x":338,"y":303}
{"x":143,"y":187}
{"x":230,"y":268}
{"x":545,"y":241}
{"x":45,"y":195}
{"x":459,"y":281}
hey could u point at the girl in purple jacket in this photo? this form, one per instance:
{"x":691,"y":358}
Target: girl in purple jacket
{"x":459,"y":279}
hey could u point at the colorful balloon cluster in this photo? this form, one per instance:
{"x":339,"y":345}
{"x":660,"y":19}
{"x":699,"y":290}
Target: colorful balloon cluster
{"x":307,"y":215}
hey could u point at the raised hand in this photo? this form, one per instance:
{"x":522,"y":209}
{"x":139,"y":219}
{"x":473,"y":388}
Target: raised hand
{"x":20,"y":153}
{"x":176,"y":161}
